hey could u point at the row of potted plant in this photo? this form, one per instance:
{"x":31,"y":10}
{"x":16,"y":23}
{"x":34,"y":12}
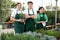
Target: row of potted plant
{"x":26,"y":36}
{"x":50,"y":33}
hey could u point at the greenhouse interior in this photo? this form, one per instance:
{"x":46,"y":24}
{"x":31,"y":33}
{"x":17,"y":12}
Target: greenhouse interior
{"x":38,"y":20}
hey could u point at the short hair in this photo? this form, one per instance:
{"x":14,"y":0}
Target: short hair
{"x":18,"y":3}
{"x":29,"y":2}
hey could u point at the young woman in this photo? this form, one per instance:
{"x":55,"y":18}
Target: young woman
{"x":17,"y":18}
{"x":30,"y":15}
{"x":41,"y":18}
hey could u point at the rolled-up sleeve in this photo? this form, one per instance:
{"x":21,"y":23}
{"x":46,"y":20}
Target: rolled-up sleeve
{"x":37,"y":19}
{"x":46,"y":17}
{"x":13,"y":13}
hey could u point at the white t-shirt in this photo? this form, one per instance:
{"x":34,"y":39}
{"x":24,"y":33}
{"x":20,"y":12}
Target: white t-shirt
{"x":30,"y":11}
{"x":14,"y":12}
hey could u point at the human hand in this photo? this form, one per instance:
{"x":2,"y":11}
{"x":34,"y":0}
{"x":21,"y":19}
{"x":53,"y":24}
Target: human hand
{"x":22,"y":20}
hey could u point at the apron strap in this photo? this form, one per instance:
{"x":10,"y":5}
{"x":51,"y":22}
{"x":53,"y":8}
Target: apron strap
{"x":29,"y":12}
{"x":17,"y":12}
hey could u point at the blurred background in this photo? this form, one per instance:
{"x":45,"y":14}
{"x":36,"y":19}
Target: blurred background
{"x":52,"y":8}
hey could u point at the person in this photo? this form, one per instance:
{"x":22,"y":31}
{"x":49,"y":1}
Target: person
{"x":41,"y":19}
{"x":17,"y":16}
{"x":30,"y":15}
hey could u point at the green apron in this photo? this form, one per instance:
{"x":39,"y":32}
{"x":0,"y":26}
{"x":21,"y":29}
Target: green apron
{"x":42,"y":18}
{"x":30,"y":23}
{"x":18,"y":26}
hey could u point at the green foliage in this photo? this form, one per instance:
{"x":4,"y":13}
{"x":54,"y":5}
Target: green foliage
{"x":23,"y":8}
{"x":13,"y":5}
{"x":5,"y":6}
{"x":52,"y":14}
{"x":51,"y":17}
{"x":25,"y":37}
{"x":11,"y":36}
{"x":49,"y":32}
{"x":21,"y":15}
{"x":7,"y":36}
{"x":52,"y":33}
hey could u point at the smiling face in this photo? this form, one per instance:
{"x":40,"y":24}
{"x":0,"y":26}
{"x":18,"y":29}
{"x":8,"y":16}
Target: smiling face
{"x":42,"y":10}
{"x":30,"y":4}
{"x":19,"y":6}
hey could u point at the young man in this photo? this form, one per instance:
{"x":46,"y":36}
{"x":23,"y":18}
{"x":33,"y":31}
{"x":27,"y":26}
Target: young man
{"x":16,"y":17}
{"x":30,"y":15}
